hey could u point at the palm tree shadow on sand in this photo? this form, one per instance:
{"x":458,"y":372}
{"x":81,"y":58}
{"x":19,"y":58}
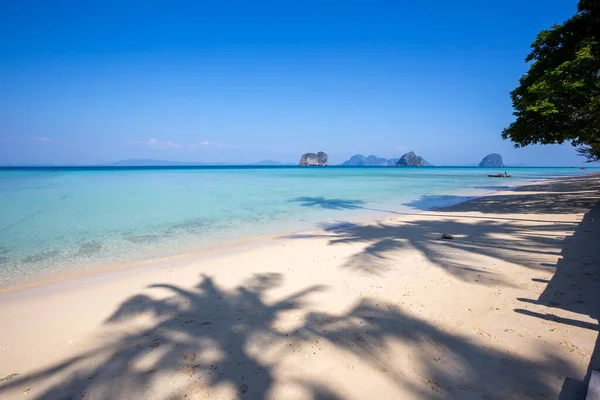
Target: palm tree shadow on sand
{"x":574,"y":285}
{"x":177,"y":343}
{"x":520,"y":244}
{"x":522,"y":239}
{"x":575,"y":288}
{"x":174,"y":342}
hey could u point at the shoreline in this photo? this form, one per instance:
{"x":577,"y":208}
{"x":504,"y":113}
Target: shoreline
{"x":99,"y":273}
{"x":384,"y":309}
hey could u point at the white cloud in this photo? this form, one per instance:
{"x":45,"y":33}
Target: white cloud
{"x":173,"y":145}
{"x":199,"y":144}
{"x":158,"y":144}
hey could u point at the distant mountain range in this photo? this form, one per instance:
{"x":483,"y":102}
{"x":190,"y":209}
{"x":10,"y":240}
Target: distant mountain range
{"x":271,"y":162}
{"x":409,"y":159}
{"x":358,"y":160}
{"x":165,"y":163}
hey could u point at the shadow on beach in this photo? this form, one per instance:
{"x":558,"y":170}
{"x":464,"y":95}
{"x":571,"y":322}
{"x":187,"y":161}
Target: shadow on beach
{"x":190,"y":342}
{"x":575,"y":285}
{"x":565,"y":196}
{"x":521,"y":239}
{"x":206,"y":337}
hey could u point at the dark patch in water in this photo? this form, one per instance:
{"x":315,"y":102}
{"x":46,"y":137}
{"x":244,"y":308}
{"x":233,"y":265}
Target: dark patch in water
{"x":328,"y":204}
{"x":432,"y":202}
{"x":87,"y":249}
{"x":493,"y":187}
{"x":191,"y":225}
{"x":41,"y":257}
{"x":4,"y":250}
{"x":143,"y":238}
{"x":3,"y":260}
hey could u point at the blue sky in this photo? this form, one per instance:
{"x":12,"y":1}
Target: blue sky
{"x":95,"y":82}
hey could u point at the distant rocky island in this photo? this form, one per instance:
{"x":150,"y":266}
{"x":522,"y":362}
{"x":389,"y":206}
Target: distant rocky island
{"x":358,"y":160}
{"x":312,"y":159}
{"x":410,"y":159}
{"x":492,"y":160}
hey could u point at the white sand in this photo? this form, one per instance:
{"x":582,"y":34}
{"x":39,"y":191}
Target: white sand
{"x":385,"y":310}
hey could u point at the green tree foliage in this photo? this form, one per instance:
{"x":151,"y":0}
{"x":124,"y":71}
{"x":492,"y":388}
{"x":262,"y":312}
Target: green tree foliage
{"x":558,"y":99}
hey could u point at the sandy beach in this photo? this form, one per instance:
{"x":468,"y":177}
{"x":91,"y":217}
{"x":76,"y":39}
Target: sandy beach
{"x":507,"y":309}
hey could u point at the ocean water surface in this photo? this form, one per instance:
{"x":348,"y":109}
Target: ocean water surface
{"x":57,"y":220}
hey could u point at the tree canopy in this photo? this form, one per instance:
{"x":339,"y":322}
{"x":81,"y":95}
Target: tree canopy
{"x":558,"y":99}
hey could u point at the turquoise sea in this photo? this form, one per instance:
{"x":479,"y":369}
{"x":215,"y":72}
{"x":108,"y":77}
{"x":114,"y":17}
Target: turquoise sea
{"x":55,"y":220}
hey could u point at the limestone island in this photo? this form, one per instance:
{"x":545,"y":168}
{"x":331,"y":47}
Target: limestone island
{"x":313,"y":160}
{"x":492,"y":160}
{"x":358,"y":160}
{"x":410,"y":159}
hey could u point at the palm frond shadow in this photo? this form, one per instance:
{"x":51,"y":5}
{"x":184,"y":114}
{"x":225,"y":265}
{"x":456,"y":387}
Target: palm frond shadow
{"x":204,"y":338}
{"x":574,"y":288}
{"x":452,"y":364}
{"x":566,"y":196}
{"x":486,"y":240}
{"x":524,"y":242}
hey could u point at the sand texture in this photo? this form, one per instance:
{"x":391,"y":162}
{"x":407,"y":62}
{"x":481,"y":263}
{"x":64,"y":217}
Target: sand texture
{"x":507,"y":309}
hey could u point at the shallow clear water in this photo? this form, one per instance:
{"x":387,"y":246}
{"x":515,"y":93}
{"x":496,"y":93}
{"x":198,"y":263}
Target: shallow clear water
{"x":53,"y":220}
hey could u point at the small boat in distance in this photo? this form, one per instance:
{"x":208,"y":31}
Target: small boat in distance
{"x":504,"y":175}
{"x":583,"y":168}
